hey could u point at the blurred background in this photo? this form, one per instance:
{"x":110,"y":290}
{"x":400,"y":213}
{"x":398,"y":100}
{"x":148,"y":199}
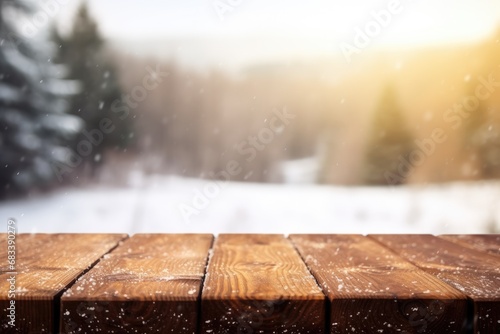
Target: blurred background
{"x":249,"y":116}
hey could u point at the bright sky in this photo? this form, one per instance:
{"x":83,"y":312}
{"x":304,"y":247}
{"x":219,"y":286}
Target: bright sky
{"x":314,"y":26}
{"x":419,"y":20}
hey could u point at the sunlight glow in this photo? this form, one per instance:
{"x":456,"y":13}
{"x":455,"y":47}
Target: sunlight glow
{"x":258,"y":29}
{"x":422,"y":21}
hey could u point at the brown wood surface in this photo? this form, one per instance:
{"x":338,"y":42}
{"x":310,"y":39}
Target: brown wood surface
{"x":489,"y":243}
{"x":150,"y":284}
{"x":254,"y":284}
{"x":373,"y":290}
{"x":46,"y":265}
{"x":259,"y":284}
{"x":475,"y":273}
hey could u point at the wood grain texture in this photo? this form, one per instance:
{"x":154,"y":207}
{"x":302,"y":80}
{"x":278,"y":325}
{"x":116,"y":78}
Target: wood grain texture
{"x":373,"y":290}
{"x":489,"y":243}
{"x":259,"y":284}
{"x":475,"y":273}
{"x":150,"y":284}
{"x":46,"y":266}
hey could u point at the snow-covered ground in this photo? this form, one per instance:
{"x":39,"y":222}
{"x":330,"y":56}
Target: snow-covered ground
{"x":154,"y":204}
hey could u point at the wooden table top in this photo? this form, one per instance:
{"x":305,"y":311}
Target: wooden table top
{"x":249,"y":283}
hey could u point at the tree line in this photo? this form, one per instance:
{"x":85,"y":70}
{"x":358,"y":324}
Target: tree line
{"x":60,"y":93}
{"x":54,"y":91}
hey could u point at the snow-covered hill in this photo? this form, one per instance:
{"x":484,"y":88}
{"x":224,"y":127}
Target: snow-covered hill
{"x":171,"y":205}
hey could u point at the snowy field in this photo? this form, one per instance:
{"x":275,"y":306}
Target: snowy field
{"x":154,"y":204}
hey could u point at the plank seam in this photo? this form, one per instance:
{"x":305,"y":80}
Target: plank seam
{"x":58,"y":325}
{"x":469,"y":325}
{"x":327,"y":299}
{"x":205,"y":271}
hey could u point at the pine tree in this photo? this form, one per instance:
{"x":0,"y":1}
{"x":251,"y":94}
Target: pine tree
{"x":390,"y":144}
{"x":34,"y":126}
{"x":481,"y":139}
{"x":84,"y":51}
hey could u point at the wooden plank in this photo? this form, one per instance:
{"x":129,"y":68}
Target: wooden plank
{"x":475,"y":273}
{"x":373,"y":290}
{"x":46,"y":265}
{"x":259,"y":284}
{"x":489,"y":243}
{"x":150,"y":284}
